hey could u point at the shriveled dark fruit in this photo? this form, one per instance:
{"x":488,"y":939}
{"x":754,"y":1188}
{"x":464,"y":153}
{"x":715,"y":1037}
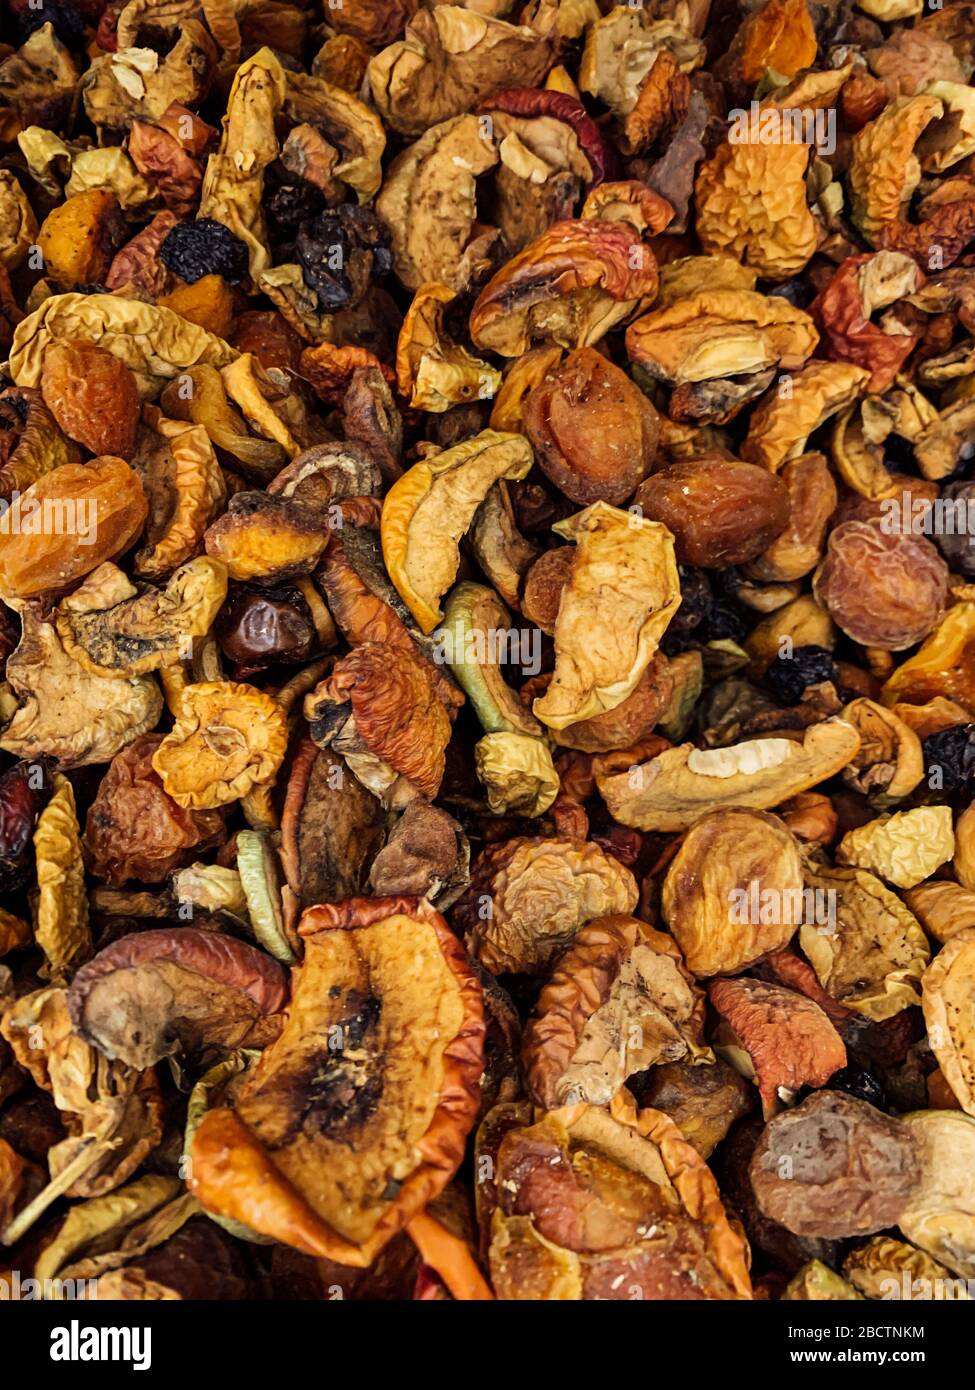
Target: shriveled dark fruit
{"x":204,"y":247}
{"x":857,"y":1081}
{"x":835,"y":1166}
{"x":721,"y":512}
{"x":789,"y":675}
{"x":957,"y":540}
{"x":340,"y":253}
{"x":950,"y":752}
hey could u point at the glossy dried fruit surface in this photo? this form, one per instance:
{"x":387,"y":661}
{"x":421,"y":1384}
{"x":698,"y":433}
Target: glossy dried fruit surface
{"x":69,"y":522}
{"x":720,"y":512}
{"x":594,"y":434}
{"x":92,"y":396}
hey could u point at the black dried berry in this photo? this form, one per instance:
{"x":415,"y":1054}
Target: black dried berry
{"x":949,"y":759}
{"x":340,"y":253}
{"x":721,"y":623}
{"x":857,"y":1081}
{"x":696,"y":600}
{"x":788,"y":676}
{"x":204,"y":247}
{"x":289,"y":206}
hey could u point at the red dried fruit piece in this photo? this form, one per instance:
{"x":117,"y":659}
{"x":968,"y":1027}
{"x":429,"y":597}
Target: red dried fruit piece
{"x":721,"y":511}
{"x":882,"y":588}
{"x":24,"y":790}
{"x":135,"y":830}
{"x":938,"y":242}
{"x":92,"y":395}
{"x":536,"y":101}
{"x":155,"y":993}
{"x":847,"y":330}
{"x":789,"y":1040}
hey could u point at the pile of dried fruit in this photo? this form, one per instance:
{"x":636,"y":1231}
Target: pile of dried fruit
{"x":487,"y":643}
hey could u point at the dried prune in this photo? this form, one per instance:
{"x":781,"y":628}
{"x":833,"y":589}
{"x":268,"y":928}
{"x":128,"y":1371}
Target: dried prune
{"x":340,"y":253}
{"x":204,"y":247}
{"x":952,"y":752}
{"x":788,"y":676}
{"x":721,"y":512}
{"x":24,"y":789}
{"x":857,"y":1081}
{"x":255,"y":629}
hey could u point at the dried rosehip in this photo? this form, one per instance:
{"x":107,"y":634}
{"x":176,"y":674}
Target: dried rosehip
{"x":721,"y":512}
{"x":24,"y":789}
{"x":256,"y":629}
{"x":93,"y":396}
{"x":788,"y":676}
{"x":884,"y":589}
{"x":204,"y":247}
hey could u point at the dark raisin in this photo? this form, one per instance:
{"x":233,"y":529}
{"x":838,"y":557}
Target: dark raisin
{"x":794,"y":292}
{"x":857,"y":1081}
{"x":24,"y":789}
{"x":721,"y":622}
{"x":69,"y":25}
{"x":204,"y":247}
{"x":289,"y":206}
{"x":696,"y":601}
{"x":788,"y":676}
{"x":340,"y":253}
{"x":949,"y":758}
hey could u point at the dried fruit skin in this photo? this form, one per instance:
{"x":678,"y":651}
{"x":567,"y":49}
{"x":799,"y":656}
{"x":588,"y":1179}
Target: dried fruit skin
{"x":594,"y":434}
{"x":884,"y":589}
{"x":835,"y":1167}
{"x":106,"y":508}
{"x":79,"y":238}
{"x":720,"y":512}
{"x":226,"y":739}
{"x":134,"y":830}
{"x":726,"y":862}
{"x":618,"y":1002}
{"x":789,"y":1040}
{"x":947,"y":1001}
{"x":93,"y":397}
{"x":575,"y":880}
{"x":389,"y":974}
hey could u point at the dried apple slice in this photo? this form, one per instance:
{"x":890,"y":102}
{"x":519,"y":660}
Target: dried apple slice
{"x":357,"y":1116}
